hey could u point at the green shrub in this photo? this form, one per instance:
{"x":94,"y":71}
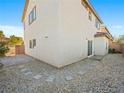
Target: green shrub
{"x":3,"y":49}
{"x":113,"y":51}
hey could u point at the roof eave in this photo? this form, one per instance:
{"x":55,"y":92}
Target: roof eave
{"x":25,"y":10}
{"x":94,"y":11}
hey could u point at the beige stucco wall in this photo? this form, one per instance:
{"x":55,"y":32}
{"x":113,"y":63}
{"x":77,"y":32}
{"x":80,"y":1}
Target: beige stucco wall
{"x":66,"y":24}
{"x":45,"y":25}
{"x":101,"y":46}
{"x":75,"y":31}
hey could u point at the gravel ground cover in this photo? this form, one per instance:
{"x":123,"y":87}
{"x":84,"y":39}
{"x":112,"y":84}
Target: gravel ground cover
{"x":86,"y":76}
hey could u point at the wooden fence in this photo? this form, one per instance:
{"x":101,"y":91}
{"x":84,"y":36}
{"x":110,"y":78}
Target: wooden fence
{"x":19,"y":50}
{"x":16,"y":50}
{"x":115,"y":46}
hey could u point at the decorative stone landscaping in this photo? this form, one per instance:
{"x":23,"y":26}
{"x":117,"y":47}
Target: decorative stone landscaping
{"x":87,"y":76}
{"x":1,"y":66}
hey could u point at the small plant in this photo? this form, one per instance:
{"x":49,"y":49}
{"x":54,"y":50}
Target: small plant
{"x":113,"y":51}
{"x":3,"y":49}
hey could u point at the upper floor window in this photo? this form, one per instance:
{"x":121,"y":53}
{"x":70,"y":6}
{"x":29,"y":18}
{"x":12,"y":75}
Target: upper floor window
{"x":90,"y":16}
{"x":32,"y":15}
{"x":97,"y":24}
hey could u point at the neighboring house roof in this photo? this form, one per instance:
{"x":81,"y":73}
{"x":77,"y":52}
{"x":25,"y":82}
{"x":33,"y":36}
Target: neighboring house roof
{"x":25,"y":10}
{"x":102,"y":34}
{"x":6,"y":39}
{"x":105,"y":29}
{"x":109,"y":33}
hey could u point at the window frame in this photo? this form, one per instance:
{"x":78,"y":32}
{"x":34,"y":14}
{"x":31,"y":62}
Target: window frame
{"x":30,"y":44}
{"x":90,"y":47}
{"x":97,"y":24}
{"x":32,"y":16}
{"x":34,"y":43}
{"x":106,"y":46}
{"x":90,"y":16}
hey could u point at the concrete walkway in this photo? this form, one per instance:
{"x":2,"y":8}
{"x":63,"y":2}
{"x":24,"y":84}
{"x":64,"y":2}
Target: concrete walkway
{"x":15,"y":60}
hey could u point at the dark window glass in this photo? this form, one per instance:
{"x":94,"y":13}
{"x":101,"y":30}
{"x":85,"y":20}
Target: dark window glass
{"x":90,"y":16}
{"x":34,"y":43}
{"x":32,"y":15}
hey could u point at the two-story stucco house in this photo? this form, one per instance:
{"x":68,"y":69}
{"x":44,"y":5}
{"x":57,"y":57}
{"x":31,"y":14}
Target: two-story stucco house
{"x":61,"y":32}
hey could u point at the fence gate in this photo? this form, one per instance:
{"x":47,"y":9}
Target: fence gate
{"x":19,"y":49}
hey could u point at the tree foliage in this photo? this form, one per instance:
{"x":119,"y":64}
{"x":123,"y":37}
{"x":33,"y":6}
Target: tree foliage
{"x":119,"y":40}
{"x":4,"y":43}
{"x":3,"y":48}
{"x":14,"y":40}
{"x":1,"y":36}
